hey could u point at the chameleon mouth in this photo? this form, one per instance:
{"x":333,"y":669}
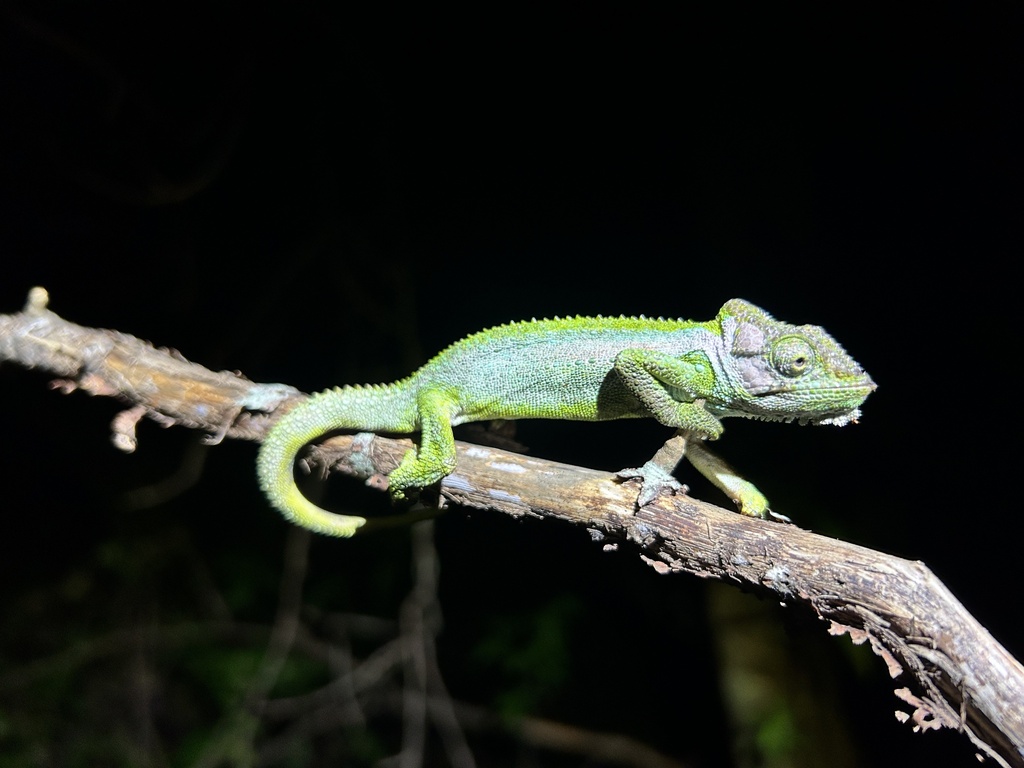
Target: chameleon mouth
{"x":863,"y":389}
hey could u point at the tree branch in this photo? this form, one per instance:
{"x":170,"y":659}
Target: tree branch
{"x":951,"y":673}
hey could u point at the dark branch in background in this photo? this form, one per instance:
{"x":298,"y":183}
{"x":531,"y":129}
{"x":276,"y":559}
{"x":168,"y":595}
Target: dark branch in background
{"x":951,"y":672}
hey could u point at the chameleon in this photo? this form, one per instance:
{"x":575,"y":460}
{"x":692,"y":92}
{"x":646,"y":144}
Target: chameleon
{"x":686,"y":374}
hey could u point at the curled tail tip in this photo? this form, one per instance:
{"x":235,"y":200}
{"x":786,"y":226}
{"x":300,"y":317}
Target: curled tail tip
{"x":274,"y":469}
{"x":327,"y":523}
{"x":297,"y":509}
{"x":339,"y":526}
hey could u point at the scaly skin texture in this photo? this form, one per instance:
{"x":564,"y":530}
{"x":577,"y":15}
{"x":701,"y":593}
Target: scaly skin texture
{"x":686,"y":374}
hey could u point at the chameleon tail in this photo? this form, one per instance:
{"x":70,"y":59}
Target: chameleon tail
{"x":346,"y":408}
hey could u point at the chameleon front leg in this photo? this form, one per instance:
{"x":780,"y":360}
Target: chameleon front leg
{"x":656,"y":476}
{"x":673,"y":389}
{"x":657,"y":380}
{"x":748,"y":499}
{"x":649,"y":375}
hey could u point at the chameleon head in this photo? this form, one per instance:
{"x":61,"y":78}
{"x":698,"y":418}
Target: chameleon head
{"x":782,"y":372}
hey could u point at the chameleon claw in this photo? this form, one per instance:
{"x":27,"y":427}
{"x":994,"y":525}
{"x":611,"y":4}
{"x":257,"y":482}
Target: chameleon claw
{"x":654,"y":479}
{"x":769,"y":515}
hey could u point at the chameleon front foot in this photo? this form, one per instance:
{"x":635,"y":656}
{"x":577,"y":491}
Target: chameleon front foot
{"x":656,"y":475}
{"x":654,"y":479}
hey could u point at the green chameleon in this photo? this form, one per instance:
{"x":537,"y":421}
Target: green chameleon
{"x":686,"y":374}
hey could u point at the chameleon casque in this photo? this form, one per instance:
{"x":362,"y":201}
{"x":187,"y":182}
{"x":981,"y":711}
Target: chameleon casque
{"x":685,"y":374}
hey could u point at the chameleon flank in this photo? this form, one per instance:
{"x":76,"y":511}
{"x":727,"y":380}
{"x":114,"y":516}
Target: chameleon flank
{"x":685,"y":374}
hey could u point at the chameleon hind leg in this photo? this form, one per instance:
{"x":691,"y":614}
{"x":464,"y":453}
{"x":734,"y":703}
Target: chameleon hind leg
{"x":435,"y":456}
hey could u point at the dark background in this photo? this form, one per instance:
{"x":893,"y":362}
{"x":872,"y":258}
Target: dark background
{"x":320,"y":196}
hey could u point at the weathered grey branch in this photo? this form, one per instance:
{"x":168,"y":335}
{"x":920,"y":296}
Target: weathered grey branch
{"x":950,"y":671}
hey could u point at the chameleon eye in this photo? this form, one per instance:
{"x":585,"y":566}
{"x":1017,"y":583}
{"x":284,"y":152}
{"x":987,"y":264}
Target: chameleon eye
{"x":793,"y":356}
